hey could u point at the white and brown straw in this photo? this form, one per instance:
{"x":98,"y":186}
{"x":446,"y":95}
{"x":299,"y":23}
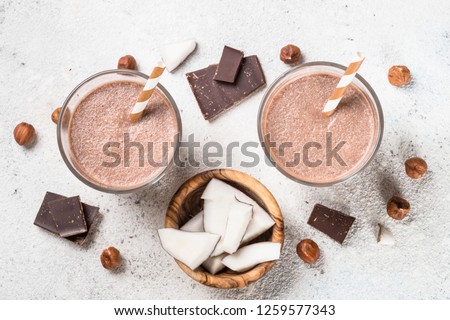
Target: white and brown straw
{"x":343,"y":84}
{"x":147,"y":92}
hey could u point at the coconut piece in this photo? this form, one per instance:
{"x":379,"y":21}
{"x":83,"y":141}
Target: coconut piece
{"x":214,"y":264}
{"x":217,"y":189}
{"x":249,"y":256}
{"x":261,"y":220}
{"x":195,"y":224}
{"x":260,"y":223}
{"x":384,"y":236}
{"x":191,"y":248}
{"x":215,"y":220}
{"x":238,"y":219}
{"x":175,"y":53}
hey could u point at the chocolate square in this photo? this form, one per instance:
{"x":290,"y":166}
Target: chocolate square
{"x":45,"y":220}
{"x":68,"y":216}
{"x":90,"y":215}
{"x":333,"y":223}
{"x":215,"y":97}
{"x":229,"y":65}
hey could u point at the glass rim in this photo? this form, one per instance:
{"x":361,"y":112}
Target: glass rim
{"x":377,"y":106}
{"x":65,"y":157}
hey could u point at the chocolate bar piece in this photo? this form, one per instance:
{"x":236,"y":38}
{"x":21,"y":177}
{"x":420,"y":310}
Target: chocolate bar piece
{"x":90,"y":215}
{"x":333,"y":223}
{"x":45,"y":220}
{"x":229,"y":65}
{"x":214,"y":97}
{"x":68,"y":216}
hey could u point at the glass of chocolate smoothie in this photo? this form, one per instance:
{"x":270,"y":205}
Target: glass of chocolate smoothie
{"x":103,"y":148}
{"x":312,"y":148}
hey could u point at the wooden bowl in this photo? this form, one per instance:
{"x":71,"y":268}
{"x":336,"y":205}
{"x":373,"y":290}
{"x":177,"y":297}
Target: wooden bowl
{"x":187,"y":202}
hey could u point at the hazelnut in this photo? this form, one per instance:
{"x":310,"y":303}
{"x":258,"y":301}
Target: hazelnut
{"x":127,"y":62}
{"x":398,"y":208}
{"x":110,"y":258}
{"x":24,"y":134}
{"x":399,"y":76}
{"x":290,"y":54}
{"x":308,"y":251}
{"x":55,"y":115}
{"x":415,"y":167}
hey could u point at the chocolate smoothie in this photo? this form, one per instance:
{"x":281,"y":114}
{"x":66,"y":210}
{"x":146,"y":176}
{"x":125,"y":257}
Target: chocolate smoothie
{"x":111,"y":150}
{"x":293,"y":115}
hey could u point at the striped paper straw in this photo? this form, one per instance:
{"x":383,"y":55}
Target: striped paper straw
{"x":146,"y":94}
{"x":343,"y":84}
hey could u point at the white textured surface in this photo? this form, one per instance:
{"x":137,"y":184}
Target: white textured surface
{"x":47,"y":47}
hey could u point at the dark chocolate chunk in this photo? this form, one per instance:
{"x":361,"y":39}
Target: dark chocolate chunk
{"x":45,"y":220}
{"x":90,"y":215}
{"x":229,"y":65}
{"x":68,"y":216}
{"x":333,"y":223}
{"x":214,"y":97}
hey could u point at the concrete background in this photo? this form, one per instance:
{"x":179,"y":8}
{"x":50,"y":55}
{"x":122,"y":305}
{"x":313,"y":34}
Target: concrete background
{"x":48,"y":47}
